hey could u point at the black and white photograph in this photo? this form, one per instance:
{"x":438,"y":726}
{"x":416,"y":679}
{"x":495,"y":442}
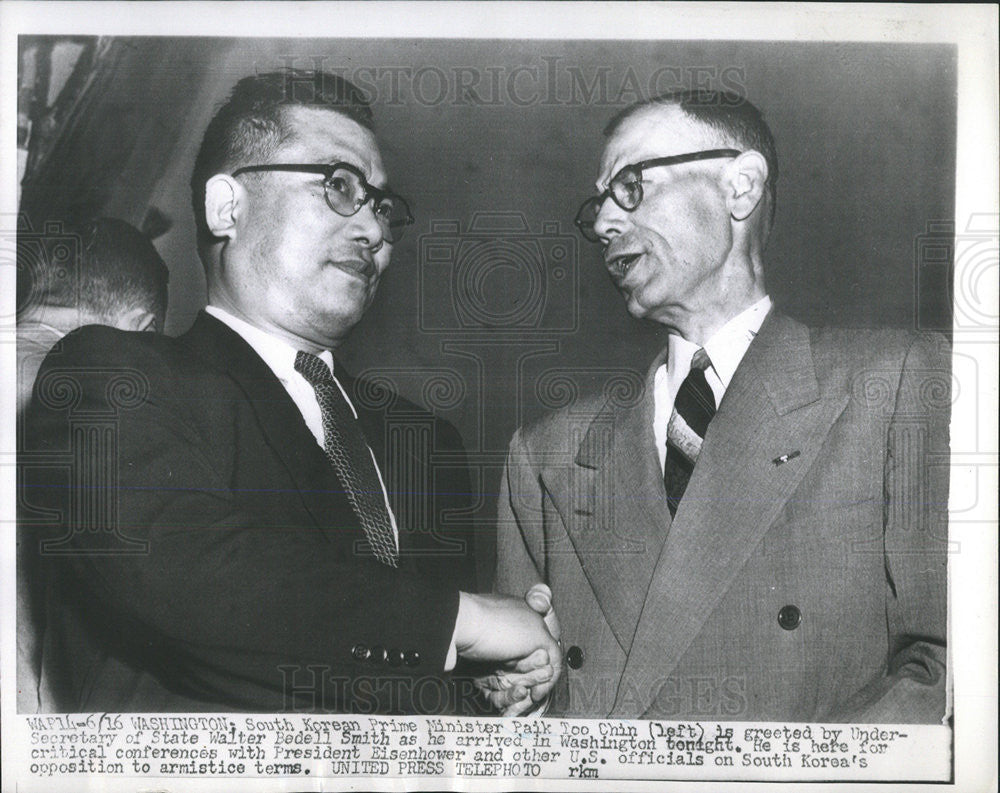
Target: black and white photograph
{"x":527,"y":396}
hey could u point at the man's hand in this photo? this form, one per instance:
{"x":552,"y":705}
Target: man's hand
{"x":506,"y":630}
{"x":516,"y":687}
{"x":539,"y":597}
{"x":509,"y":688}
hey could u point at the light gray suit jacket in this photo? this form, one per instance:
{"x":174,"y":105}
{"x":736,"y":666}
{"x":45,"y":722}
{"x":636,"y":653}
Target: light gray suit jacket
{"x":846,"y":540}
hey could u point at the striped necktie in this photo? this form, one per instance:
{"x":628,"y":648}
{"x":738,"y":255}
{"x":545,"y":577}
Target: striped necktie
{"x":693,"y":410}
{"x":347,"y":450}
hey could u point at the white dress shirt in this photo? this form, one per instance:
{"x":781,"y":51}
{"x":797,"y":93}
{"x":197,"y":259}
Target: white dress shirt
{"x":279,"y":355}
{"x":725,"y":349}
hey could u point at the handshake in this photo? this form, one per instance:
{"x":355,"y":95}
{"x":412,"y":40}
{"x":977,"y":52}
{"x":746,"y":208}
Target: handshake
{"x":517,"y":640}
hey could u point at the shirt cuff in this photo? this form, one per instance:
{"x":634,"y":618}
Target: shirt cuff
{"x":452,"y":658}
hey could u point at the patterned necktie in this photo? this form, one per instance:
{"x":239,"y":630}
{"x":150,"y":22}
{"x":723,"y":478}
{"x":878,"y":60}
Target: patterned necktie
{"x":347,"y":449}
{"x":693,"y":410}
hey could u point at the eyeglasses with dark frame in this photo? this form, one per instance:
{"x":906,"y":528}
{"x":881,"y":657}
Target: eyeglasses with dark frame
{"x":346,"y":190}
{"x":625,"y":187}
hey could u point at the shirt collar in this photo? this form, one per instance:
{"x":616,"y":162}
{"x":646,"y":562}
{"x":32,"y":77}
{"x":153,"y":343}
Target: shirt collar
{"x":42,"y":332}
{"x":727,"y":346}
{"x":277,"y":353}
{"x":57,"y":321}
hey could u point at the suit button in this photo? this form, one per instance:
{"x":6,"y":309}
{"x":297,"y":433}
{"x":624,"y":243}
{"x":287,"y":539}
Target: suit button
{"x":395,"y":657}
{"x":574,"y":657}
{"x":379,"y":655}
{"x":411,"y":658}
{"x":359,"y":652}
{"x":789,"y":617}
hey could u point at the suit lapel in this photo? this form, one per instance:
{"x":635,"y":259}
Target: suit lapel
{"x":773,"y":406}
{"x":616,"y":512}
{"x":278,"y":417}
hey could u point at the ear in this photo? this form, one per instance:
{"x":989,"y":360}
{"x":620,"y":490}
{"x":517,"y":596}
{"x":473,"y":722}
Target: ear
{"x":223,"y":203}
{"x":747,"y":178}
{"x":137,"y":319}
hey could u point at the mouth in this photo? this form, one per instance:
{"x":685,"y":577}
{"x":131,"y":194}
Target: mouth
{"x":365,"y":270}
{"x":620,"y":264}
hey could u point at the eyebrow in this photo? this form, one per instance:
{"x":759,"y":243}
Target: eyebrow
{"x":387,"y":188}
{"x":353,"y":163}
{"x":342,"y":158}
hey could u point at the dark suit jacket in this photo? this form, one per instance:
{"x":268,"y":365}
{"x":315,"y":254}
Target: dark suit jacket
{"x":201,"y":553}
{"x":806,"y":590}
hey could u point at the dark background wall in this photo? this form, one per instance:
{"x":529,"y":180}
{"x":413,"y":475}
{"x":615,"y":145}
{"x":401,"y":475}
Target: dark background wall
{"x":494,"y":309}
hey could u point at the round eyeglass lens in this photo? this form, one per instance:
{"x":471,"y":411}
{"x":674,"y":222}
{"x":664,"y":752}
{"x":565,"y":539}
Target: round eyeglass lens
{"x":626,"y":187}
{"x":587,"y":217}
{"x":344,"y":192}
{"x":393,"y":216}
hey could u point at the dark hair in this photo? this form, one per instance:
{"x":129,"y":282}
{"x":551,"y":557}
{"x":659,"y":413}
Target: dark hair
{"x":249,"y":126}
{"x":104,"y":266}
{"x":737,"y":121}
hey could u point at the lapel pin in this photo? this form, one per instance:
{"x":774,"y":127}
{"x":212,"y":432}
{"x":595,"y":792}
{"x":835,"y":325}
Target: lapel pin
{"x":786,"y":457}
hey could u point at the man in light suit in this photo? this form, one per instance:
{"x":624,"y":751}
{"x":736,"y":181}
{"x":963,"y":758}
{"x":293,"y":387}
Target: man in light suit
{"x":762,"y":535}
{"x":212,"y":509}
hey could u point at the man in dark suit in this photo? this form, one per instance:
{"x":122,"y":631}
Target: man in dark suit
{"x":225,"y":537}
{"x":762,"y":535}
{"x":116,"y":278}
{"x":111,"y":276}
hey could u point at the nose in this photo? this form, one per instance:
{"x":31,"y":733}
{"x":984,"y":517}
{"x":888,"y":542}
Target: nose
{"x":610,"y":220}
{"x":365,"y":227}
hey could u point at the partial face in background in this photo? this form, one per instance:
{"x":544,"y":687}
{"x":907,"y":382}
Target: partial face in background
{"x":295,"y":267}
{"x":668,"y":256}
